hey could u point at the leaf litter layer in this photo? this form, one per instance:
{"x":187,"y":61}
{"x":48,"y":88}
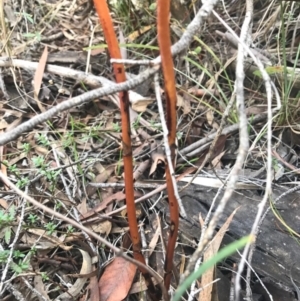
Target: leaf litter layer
{"x":56,"y":162}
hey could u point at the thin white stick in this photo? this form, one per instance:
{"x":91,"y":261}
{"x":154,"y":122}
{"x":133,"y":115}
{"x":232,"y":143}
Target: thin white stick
{"x":258,"y":278}
{"x":166,"y":144}
{"x":35,"y":291}
{"x":68,"y":193}
{"x":131,"y":62}
{"x":12,"y":245}
{"x":207,"y":285}
{"x":268,"y":86}
{"x":233,"y":177}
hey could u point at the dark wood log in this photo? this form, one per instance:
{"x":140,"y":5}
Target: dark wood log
{"x":276,"y":250}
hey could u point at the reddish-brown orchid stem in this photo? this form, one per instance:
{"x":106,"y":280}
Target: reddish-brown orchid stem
{"x":164,"y":41}
{"x":119,"y":72}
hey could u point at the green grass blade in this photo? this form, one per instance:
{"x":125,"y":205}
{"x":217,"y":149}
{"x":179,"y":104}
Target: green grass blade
{"x":225,"y":252}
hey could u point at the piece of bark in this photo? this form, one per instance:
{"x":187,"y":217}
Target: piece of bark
{"x":276,"y":250}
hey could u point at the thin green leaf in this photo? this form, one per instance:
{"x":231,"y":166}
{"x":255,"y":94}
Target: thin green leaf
{"x":11,"y":211}
{"x":225,"y":252}
{"x":7,"y":235}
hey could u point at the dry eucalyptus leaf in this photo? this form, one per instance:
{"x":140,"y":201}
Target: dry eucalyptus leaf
{"x":76,"y":288}
{"x":122,"y":230}
{"x":208,"y":276}
{"x":140,"y":286}
{"x":82,"y":207}
{"x":134,"y":35}
{"x":3,"y":124}
{"x":116,"y":280}
{"x":138,"y":102}
{"x":210,"y":117}
{"x":43,"y":240}
{"x":10,"y":15}
{"x":102,"y":227}
{"x":184,"y":104}
{"x":141,"y":169}
{"x":9,"y":118}
{"x":216,"y":162}
{"x":123,"y":49}
{"x":102,"y":177}
{"x":258,"y":109}
{"x":17,"y":159}
{"x":38,"y":78}
{"x":118,"y":196}
{"x":154,"y":239}
{"x":157,"y":158}
{"x":4,"y":204}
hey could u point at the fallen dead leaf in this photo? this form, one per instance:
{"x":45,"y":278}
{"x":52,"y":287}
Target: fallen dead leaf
{"x":140,"y":286}
{"x":141,"y":169}
{"x":102,"y":227}
{"x":75,"y":289}
{"x":97,"y":51}
{"x":102,"y":177}
{"x":118,"y":196}
{"x":14,"y":117}
{"x":157,"y":158}
{"x":122,"y":41}
{"x":184,"y":104}
{"x":255,"y":110}
{"x":208,"y":276}
{"x":93,"y":287}
{"x":138,"y":102}
{"x":203,"y":92}
{"x":122,"y":230}
{"x":116,"y":280}
{"x":210,"y":117}
{"x":82,"y":207}
{"x":10,"y":15}
{"x":3,"y":203}
{"x":134,"y":35}
{"x":3,"y":124}
{"x":155,"y":237}
{"x":38,"y":281}
{"x":38,"y":78}
{"x":216,"y":162}
{"x":45,"y":241}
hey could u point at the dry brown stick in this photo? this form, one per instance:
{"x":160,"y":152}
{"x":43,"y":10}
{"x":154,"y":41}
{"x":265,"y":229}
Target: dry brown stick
{"x":288,"y":165}
{"x":208,"y":157}
{"x":151,"y":193}
{"x":193,"y":149}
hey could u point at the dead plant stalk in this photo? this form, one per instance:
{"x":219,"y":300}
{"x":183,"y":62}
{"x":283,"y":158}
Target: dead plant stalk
{"x":164,"y":41}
